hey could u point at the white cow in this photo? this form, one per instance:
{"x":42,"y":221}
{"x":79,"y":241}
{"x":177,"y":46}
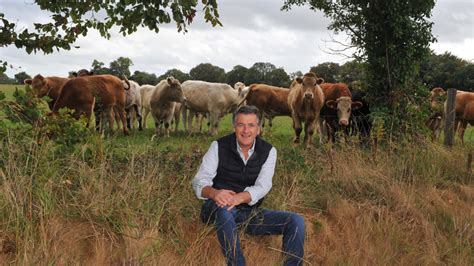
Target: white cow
{"x":146,"y":91}
{"x":163,"y":101}
{"x":242,"y":89}
{"x":133,"y":105}
{"x":217,"y":99}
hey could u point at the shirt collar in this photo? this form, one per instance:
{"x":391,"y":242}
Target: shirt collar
{"x":250,"y":150}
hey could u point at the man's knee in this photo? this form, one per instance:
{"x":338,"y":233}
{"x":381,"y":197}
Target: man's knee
{"x":296,"y":222}
{"x":223,"y":215}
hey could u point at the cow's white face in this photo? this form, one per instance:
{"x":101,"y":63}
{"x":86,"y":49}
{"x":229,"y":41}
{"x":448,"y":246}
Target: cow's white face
{"x":344,"y":107}
{"x":176,"y":94}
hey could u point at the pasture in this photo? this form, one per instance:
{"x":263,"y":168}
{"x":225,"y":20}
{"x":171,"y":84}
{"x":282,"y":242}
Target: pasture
{"x":128,"y":200}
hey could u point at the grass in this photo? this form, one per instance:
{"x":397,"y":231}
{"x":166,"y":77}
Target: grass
{"x":128,"y":200}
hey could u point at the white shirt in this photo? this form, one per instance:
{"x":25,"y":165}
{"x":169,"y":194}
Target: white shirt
{"x":208,"y":171}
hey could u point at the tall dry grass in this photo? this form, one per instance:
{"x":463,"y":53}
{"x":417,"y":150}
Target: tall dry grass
{"x":104,"y":203}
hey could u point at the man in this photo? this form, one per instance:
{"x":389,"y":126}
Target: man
{"x":235,"y":174}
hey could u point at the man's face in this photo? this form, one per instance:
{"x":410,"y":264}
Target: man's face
{"x":246,"y":129}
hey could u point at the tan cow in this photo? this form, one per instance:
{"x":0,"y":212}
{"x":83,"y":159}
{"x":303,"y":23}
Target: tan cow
{"x":83,"y":93}
{"x":271,"y":101}
{"x":435,"y":121}
{"x":163,"y":101}
{"x":47,"y":86}
{"x":217,"y":99}
{"x":305,"y":99}
{"x":464,"y":112}
{"x":145,"y":92}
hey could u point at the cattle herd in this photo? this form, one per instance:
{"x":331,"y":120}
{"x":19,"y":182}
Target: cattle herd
{"x":311,"y":103}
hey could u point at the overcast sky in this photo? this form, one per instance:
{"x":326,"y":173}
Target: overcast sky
{"x":253,"y":31}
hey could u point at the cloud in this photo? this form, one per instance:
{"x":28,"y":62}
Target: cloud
{"x":253,"y":31}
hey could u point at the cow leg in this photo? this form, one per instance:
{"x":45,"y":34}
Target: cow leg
{"x":145,"y":112}
{"x":120,"y":112}
{"x":176,"y":121}
{"x":139,"y":116}
{"x":214,"y":120}
{"x":167,"y":128}
{"x":109,"y":112}
{"x":184,"y":114}
{"x":309,"y":130}
{"x":190,"y":121}
{"x":462,"y":128}
{"x":97,"y":114}
{"x":128,"y":116}
{"x":297,"y":128}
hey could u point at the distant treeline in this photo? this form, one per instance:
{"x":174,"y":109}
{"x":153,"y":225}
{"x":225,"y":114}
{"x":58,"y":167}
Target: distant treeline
{"x":445,"y":70}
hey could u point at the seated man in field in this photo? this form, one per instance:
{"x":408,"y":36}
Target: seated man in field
{"x":235,"y":175}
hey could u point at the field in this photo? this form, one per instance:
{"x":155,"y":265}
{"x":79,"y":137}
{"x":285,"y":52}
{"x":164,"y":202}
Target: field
{"x":128,"y":200}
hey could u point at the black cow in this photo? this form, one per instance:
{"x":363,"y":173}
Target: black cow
{"x":360,"y":123}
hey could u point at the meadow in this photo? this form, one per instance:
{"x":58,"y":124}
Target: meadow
{"x":128,"y":200}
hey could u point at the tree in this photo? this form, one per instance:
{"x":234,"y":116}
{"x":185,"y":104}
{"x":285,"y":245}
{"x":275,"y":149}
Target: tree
{"x":177,"y":74}
{"x":208,"y":72}
{"x":446,"y":71}
{"x":328,"y":71}
{"x":258,"y":73}
{"x":99,"y":68}
{"x":4,"y":79}
{"x":237,"y":74}
{"x":392,"y":37}
{"x":296,"y":74}
{"x":121,"y":66}
{"x":352,"y":71}
{"x":142,"y":78}
{"x":71,"y":19}
{"x":21,"y":76}
{"x":278,"y":77}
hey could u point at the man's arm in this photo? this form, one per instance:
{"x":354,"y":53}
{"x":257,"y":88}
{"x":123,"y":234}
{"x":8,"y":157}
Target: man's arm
{"x":263,"y":184}
{"x":207,"y":171}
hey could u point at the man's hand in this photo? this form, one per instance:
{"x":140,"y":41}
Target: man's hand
{"x":223,"y":197}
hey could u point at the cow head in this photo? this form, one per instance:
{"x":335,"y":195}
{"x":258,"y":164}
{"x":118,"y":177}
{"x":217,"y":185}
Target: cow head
{"x":437,"y":98}
{"x":176,"y":92}
{"x":84,"y":72}
{"x":344,"y":107}
{"x":39,"y":85}
{"x":309,"y":82}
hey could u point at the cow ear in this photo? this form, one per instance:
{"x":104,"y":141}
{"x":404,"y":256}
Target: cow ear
{"x":299,"y":80}
{"x":170,"y":80}
{"x":331,"y":104}
{"x":28,"y":81}
{"x":74,"y":74}
{"x":91,"y":73}
{"x":356,"y":105}
{"x":319,"y":81}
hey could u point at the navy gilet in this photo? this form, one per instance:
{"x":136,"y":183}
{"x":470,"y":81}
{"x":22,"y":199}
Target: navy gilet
{"x":232,"y":173}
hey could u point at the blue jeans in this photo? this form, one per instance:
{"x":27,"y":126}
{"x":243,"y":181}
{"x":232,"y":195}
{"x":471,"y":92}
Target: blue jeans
{"x":255,"y":221}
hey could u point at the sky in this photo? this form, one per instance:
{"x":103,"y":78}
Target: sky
{"x":253,"y":31}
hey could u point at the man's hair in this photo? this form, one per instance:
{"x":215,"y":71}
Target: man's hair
{"x":246,"y":110}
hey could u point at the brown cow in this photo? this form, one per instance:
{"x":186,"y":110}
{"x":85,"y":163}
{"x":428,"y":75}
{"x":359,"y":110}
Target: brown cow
{"x":435,"y":121}
{"x":464,"y":112}
{"x":47,"y":86}
{"x":83,"y":93}
{"x":305,"y":100}
{"x":337,"y":108}
{"x":271,"y":101}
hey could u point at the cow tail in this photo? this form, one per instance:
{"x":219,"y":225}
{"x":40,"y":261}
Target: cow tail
{"x":128,"y":83}
{"x":247,"y":95}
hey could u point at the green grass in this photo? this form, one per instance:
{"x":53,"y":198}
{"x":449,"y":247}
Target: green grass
{"x":128,"y":200}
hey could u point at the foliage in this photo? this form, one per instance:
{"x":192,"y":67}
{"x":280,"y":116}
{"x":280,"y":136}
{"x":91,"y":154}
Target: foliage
{"x":121,"y":66}
{"x":99,"y":68}
{"x":207,"y":72}
{"x":237,"y":74}
{"x":258,"y":72}
{"x":28,"y":115}
{"x":71,"y":19}
{"x":447,"y":71}
{"x":176,"y":73}
{"x":296,"y":74}
{"x":328,"y":71}
{"x":21,"y":76}
{"x":392,"y":37}
{"x":5,"y":79}
{"x":143,"y":77}
{"x":278,"y":77}
{"x":353,"y":71}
